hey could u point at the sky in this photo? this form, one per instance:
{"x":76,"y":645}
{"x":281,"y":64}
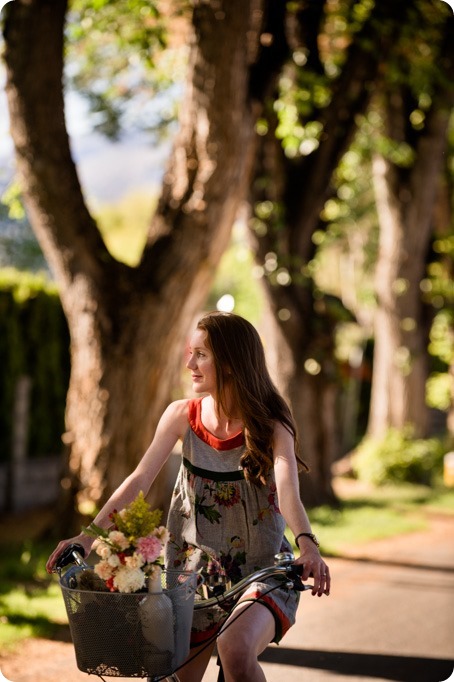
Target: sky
{"x":107,"y":170}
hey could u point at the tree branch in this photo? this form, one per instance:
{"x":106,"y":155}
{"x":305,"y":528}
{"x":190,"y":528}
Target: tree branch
{"x":350,"y":96}
{"x":66,"y":231}
{"x":211,"y":163}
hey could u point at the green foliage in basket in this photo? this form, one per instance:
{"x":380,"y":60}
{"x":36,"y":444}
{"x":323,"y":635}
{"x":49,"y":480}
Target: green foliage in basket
{"x":137,"y":520}
{"x":131,"y":548}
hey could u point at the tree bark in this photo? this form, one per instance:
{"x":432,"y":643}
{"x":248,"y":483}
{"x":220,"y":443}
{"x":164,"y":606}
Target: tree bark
{"x":128,"y":325}
{"x":405,"y":202}
{"x":298,"y":189}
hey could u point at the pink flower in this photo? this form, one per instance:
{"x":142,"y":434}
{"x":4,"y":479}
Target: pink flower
{"x":150,"y":548}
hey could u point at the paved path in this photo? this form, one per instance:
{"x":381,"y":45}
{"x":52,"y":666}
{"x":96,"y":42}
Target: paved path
{"x":390,"y":617}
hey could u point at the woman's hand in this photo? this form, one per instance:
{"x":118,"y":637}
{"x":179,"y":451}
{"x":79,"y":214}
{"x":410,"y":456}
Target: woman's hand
{"x":81,"y":539}
{"x":293,"y":511}
{"x":314,"y":567}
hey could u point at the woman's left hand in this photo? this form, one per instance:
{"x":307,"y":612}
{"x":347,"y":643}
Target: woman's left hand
{"x":314,"y":567}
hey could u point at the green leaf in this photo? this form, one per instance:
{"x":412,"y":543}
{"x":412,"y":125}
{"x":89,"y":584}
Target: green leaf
{"x":95,"y":531}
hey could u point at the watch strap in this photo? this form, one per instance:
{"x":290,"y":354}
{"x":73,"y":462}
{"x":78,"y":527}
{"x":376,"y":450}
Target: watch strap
{"x":307,"y":535}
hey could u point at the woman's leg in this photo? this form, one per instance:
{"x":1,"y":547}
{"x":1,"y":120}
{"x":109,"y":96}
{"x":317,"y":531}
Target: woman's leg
{"x":194,"y":670}
{"x":240,"y":644}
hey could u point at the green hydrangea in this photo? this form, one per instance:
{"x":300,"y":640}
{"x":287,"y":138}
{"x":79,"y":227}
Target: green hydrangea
{"x":137,"y":520}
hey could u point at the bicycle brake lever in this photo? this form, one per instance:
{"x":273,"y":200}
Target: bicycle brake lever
{"x":298,"y":586}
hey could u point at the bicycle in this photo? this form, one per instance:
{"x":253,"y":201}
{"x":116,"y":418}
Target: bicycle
{"x":111,"y":634}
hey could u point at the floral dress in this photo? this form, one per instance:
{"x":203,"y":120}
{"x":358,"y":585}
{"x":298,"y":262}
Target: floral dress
{"x":220,"y":523}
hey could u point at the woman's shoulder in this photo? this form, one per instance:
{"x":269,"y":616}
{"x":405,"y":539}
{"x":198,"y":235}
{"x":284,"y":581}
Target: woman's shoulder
{"x":175,"y":417}
{"x":183,"y":411}
{"x":178,"y":409}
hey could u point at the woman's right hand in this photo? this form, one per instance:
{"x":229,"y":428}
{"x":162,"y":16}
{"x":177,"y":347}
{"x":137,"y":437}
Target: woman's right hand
{"x":81,"y":539}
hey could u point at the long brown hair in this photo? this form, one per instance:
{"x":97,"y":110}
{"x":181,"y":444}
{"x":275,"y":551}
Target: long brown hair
{"x":240,"y":364}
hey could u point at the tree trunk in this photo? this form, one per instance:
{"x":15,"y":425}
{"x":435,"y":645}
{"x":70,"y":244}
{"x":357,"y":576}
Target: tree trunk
{"x":445,"y":224}
{"x":307,"y":377}
{"x":128,"y":325}
{"x":405,"y":202}
{"x":297,"y":188}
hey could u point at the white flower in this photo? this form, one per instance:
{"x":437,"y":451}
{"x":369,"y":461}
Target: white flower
{"x":162,"y":534}
{"x":151,"y":570}
{"x":134,"y":561}
{"x":129,"y":579}
{"x":113,"y":560}
{"x":104,"y":570}
{"x":102,"y":550}
{"x":119,"y":539}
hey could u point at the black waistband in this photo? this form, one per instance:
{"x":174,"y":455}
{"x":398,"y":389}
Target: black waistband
{"x":237,"y":475}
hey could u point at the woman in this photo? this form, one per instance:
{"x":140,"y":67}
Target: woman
{"x":236,"y":491}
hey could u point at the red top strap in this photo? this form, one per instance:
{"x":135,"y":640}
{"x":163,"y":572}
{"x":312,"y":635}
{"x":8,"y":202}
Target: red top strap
{"x":195,"y":421}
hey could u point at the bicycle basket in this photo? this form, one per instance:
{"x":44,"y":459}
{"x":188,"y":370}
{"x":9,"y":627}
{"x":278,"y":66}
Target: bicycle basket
{"x":131,"y":635}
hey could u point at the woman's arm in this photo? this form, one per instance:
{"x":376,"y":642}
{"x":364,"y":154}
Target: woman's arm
{"x":292,"y":509}
{"x":171,"y":427}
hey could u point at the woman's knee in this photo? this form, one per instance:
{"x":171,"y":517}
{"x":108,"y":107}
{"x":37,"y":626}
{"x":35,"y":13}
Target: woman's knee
{"x":233,"y":645}
{"x":236,"y":656}
{"x":244,"y":636}
{"x":238,"y":651}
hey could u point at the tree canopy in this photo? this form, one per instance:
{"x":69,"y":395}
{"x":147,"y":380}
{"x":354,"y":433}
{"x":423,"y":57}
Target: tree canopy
{"x":329,"y":118}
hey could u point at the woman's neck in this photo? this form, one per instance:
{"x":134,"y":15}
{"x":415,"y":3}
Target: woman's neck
{"x":217,"y":421}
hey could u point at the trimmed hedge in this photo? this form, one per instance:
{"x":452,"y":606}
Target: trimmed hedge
{"x":34,"y":341}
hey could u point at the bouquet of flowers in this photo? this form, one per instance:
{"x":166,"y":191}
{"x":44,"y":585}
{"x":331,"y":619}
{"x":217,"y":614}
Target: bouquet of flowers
{"x":131,"y":549}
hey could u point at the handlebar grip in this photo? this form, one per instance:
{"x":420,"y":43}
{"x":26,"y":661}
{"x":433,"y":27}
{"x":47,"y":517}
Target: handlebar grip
{"x":68,"y":556}
{"x":294,"y":573}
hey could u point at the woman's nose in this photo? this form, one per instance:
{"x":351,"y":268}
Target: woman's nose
{"x":191,"y":363}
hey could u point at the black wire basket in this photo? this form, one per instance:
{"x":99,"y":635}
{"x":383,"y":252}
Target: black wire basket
{"x":130,"y":635}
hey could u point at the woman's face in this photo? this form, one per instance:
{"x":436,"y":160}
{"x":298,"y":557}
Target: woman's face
{"x":201,"y":363}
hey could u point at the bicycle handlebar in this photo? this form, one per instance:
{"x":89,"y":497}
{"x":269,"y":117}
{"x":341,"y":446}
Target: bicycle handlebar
{"x":283,"y":567}
{"x":73,"y":554}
